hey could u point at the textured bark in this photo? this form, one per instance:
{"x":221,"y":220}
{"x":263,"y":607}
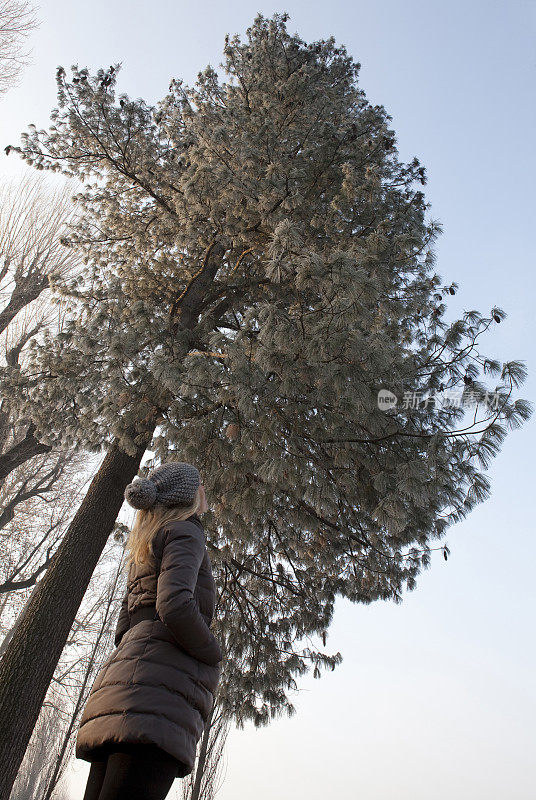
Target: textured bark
{"x":31,"y":657}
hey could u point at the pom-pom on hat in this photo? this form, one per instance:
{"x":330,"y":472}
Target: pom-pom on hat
{"x":172,"y":484}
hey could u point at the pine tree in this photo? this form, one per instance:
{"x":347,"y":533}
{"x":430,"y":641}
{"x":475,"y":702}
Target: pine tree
{"x":259,"y":269}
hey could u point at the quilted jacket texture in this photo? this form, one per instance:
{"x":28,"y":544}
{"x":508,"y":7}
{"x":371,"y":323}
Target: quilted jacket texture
{"x":157,"y":686}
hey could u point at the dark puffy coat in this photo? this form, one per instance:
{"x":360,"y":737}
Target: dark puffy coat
{"x":157,"y":687}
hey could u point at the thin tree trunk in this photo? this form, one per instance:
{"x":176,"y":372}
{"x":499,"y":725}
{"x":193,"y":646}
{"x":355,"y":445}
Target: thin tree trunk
{"x":200,"y":766}
{"x":32,"y":655}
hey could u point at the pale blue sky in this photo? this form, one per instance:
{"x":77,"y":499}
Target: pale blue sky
{"x":436,"y":697}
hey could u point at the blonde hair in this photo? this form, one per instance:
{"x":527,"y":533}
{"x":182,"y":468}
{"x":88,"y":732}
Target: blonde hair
{"x":139,"y":545}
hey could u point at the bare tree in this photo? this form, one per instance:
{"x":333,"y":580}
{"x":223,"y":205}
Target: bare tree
{"x":37,"y":483}
{"x":38,"y":499}
{"x":17,"y":20}
{"x":33,"y":217}
{"x":88,"y":646}
{"x":37,"y":765}
{"x":205,"y":781}
{"x":31,"y":482}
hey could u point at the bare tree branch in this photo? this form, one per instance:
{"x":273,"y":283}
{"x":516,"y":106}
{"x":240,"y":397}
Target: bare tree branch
{"x":16,"y":22}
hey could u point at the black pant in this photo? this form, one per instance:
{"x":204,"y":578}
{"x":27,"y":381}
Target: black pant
{"x":134,"y":772}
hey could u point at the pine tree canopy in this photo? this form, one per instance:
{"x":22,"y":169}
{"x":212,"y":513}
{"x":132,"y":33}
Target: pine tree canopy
{"x":259,"y":267}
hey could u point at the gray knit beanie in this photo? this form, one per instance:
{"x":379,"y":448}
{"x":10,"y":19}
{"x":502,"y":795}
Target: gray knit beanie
{"x":172,"y":484}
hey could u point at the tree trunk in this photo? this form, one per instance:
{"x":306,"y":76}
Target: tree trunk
{"x":32,"y":655}
{"x":200,"y":767}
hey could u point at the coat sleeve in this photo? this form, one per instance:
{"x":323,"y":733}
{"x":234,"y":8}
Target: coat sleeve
{"x":123,"y":621}
{"x":183,"y":552}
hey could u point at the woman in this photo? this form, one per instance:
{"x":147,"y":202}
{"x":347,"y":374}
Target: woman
{"x":150,"y":700}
